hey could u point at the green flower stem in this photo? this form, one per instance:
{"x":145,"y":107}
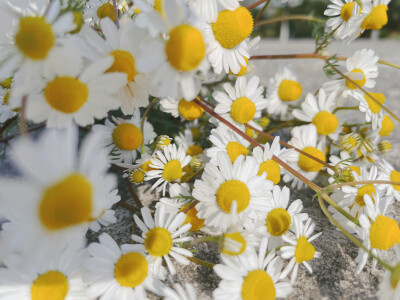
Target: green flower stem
{"x":361,"y":182}
{"x":345,"y":108}
{"x":144,"y":118}
{"x":288,"y":18}
{"x":204,"y":239}
{"x":199,"y":261}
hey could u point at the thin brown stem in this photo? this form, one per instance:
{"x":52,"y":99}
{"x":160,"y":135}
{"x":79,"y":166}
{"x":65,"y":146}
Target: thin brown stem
{"x":127,"y":206}
{"x":251,"y":6}
{"x":134,"y":194}
{"x":144,"y":119}
{"x":289,"y":18}
{"x":201,"y":262}
{"x":116,"y":13}
{"x":22,"y":116}
{"x":261,"y":12}
{"x":191,"y":205}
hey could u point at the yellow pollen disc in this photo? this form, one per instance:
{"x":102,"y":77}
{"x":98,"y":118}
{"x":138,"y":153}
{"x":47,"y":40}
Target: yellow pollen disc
{"x":6,"y":98}
{"x":172,"y":170}
{"x":387,"y":126}
{"x":233,"y":190}
{"x":195,"y":133}
{"x":66,"y":94}
{"x":289,"y":90}
{"x":376,"y":19}
{"x":158,"y":241}
{"x":234,"y":149}
{"x":347,"y":172}
{"x":304,"y":250}
{"x":159,"y":6}
{"x":356,"y":169}
{"x":136,"y":176}
{"x":190,"y":110}
{"x":367,"y":189}
{"x":325,"y":122}
{"x":395,"y":176}
{"x":237,"y":237}
{"x":34,"y":38}
{"x":131,"y":269}
{"x":384,"y":233}
{"x":194,"y":150}
{"x":185,"y":48}
{"x":146,"y":166}
{"x":191,"y":217}
{"x":309,"y":164}
{"x":278,"y":221}
{"x":243,"y":110}
{"x":233,"y":27}
{"x":106,"y":10}
{"x":50,"y":285}
{"x":66,"y":203}
{"x":347,"y":11}
{"x":6,"y":83}
{"x":258,"y":285}
{"x":374,"y":107}
{"x":127,"y":136}
{"x":273,"y":170}
{"x":123,"y":62}
{"x":250,"y":132}
{"x":243,"y":69}
{"x":360,"y":82}
{"x":78,"y":20}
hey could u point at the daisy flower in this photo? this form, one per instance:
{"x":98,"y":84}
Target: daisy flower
{"x":393,"y":175}
{"x":186,"y":142}
{"x":47,"y":201}
{"x":345,"y":163}
{"x":187,"y":110}
{"x":300,"y":251}
{"x":224,"y":183}
{"x":389,"y":288}
{"x":252,"y":277}
{"x":226,"y":141}
{"x":282,"y":90}
{"x":373,"y":111}
{"x":134,"y":53}
{"x":161,"y":237}
{"x":227,"y":38}
{"x":70,"y":92}
{"x":124,"y":138}
{"x":180,"y":293}
{"x":305,"y":139}
{"x":167,"y":166}
{"x":44,"y":275}
{"x":319,"y":113}
{"x":120,"y":273}
{"x":385,"y":127}
{"x":208,"y":9}
{"x":350,"y":142}
{"x":242,"y":103}
{"x":96,"y":10}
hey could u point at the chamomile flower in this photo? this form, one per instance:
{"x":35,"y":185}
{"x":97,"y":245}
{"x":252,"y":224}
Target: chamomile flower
{"x":345,"y":164}
{"x":96,"y":10}
{"x":319,"y":113}
{"x":120,"y":273}
{"x":180,"y":293}
{"x":167,"y":166}
{"x":44,"y":274}
{"x":224,"y":183}
{"x":350,"y":142}
{"x":283,"y":89}
{"x":252,"y":277}
{"x":134,"y":53}
{"x":341,"y":12}
{"x":208,"y":9}
{"x":185,"y":141}
{"x":70,"y":92}
{"x":372,"y":110}
{"x":300,"y":251}
{"x":242,"y":103}
{"x":123,"y":138}
{"x":393,"y":175}
{"x":385,"y":127}
{"x":305,"y":139}
{"x":47,"y":201}
{"x":226,"y":141}
{"x":187,"y":110}
{"x":161,"y":237}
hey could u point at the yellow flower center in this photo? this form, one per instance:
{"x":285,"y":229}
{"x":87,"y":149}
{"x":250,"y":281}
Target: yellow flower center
{"x":376,"y":19}
{"x":273,"y":170}
{"x":237,"y":237}
{"x":106,"y":10}
{"x":358,"y":76}
{"x":195,"y":133}
{"x":234,"y":149}
{"x":35,"y":37}
{"x":191,"y":217}
{"x":185,"y":48}
{"x":384,"y":146}
{"x":395,"y":176}
{"x":243,"y":110}
{"x":66,"y":203}
{"x":367,"y":189}
{"x":250,"y":132}
{"x":304,"y":250}
{"x":158,"y":241}
{"x":347,"y":11}
{"x":172,"y":170}
{"x":233,"y":190}
{"x":136,"y":176}
{"x":146,"y":166}
{"x":243,"y":68}
{"x":289,"y":90}
{"x":78,"y":20}
{"x":325,"y":122}
{"x":233,"y":27}
{"x":387,"y":126}
{"x":190,"y":110}
{"x":159,"y":6}
{"x":384,"y":233}
{"x":348,"y":170}
{"x":373,"y":106}
{"x":66,"y":94}
{"x":194,"y":150}
{"x":258,"y":285}
{"x":127,"y":136}
{"x":6,"y":83}
{"x":123,"y":62}
{"x":50,"y":285}
{"x":131,"y":269}
{"x":348,"y":142}
{"x":278,"y":221}
{"x":308,"y":164}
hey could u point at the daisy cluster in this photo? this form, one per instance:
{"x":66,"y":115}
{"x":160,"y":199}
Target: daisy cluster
{"x":94,"y":72}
